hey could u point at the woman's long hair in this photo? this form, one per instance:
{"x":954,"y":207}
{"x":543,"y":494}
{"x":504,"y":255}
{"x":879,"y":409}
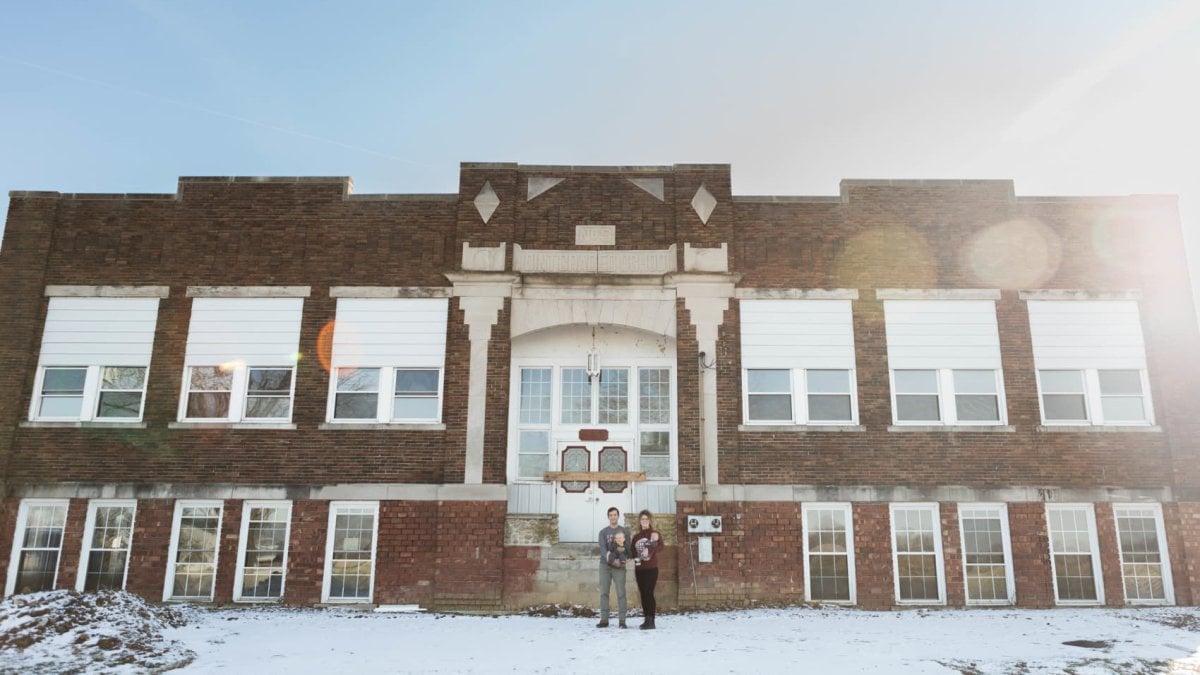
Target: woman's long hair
{"x":646,"y":512}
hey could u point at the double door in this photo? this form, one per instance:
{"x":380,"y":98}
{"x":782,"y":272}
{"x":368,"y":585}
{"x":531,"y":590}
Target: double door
{"x":584,"y":501}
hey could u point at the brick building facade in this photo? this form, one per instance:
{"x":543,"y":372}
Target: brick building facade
{"x":914,"y":392}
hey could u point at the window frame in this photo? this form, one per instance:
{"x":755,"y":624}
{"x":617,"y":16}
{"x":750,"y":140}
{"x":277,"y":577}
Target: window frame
{"x":385,"y":397}
{"x":1164,"y":552}
{"x":327,"y":574}
{"x":1001,"y":513}
{"x":89,"y":528}
{"x":1094,"y":544}
{"x":848,"y":510}
{"x":1093,"y":400}
{"x":89,"y":407}
{"x":243,"y":541}
{"x":798,"y":392}
{"x":10,"y":585}
{"x":939,"y":560}
{"x":238,"y":395}
{"x":173,"y":548}
{"x":947,"y":399}
{"x":628,"y":434}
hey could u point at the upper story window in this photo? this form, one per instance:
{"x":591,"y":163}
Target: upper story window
{"x":798,"y":361}
{"x":241,"y":360}
{"x":388,"y":359}
{"x":1091,"y":362}
{"x":944,"y":357}
{"x":94,"y":359}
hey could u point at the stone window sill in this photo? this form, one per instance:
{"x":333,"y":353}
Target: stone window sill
{"x":958,"y":428}
{"x":230,"y":425}
{"x":800,"y":428}
{"x":82,"y":425}
{"x":373,"y":426}
{"x":1094,"y":428}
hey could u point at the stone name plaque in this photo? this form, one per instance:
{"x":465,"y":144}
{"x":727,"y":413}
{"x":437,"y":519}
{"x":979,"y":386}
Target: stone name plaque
{"x":595,"y":235}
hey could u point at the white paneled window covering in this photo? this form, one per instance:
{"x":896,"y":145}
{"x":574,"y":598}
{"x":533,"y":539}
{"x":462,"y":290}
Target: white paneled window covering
{"x":798,"y":360}
{"x":1091,"y":361}
{"x":94,"y":359}
{"x":944,"y":357}
{"x":388,"y":358}
{"x":240,"y":359}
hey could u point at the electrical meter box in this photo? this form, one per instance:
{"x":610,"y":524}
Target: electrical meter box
{"x":703,"y":524}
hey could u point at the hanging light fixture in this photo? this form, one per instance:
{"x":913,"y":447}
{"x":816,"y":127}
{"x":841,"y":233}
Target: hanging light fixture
{"x":593,"y":359}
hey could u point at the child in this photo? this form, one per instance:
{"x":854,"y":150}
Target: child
{"x":617,"y":553}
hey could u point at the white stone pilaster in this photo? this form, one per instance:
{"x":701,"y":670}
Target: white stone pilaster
{"x":706,"y":297}
{"x":480,"y":297}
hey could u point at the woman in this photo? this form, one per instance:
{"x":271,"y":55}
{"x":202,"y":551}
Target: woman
{"x":646,"y":545}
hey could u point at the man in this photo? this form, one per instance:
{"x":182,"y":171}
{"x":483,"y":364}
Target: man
{"x":608,"y":574}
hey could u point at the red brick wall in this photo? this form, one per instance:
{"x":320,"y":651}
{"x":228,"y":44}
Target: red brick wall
{"x":1031,"y":554}
{"x":469,"y":567}
{"x":1183,"y":540}
{"x":874,"y":576}
{"x":952,"y":555}
{"x":306,"y":554}
{"x":407,"y":551}
{"x":1110,"y":557}
{"x":151,"y":542}
{"x":68,"y":561}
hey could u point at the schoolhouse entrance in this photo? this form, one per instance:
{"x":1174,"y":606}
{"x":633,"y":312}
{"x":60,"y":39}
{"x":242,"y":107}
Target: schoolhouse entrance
{"x":592,"y":424}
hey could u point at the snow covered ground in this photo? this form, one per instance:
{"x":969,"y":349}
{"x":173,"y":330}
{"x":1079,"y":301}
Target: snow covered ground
{"x":118,"y":633}
{"x":759,"y":641}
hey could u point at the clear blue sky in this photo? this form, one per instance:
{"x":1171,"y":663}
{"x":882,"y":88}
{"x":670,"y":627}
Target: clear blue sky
{"x":1097,"y":97}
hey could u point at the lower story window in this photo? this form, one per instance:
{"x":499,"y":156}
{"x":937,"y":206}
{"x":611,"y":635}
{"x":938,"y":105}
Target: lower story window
{"x":1145,"y":567}
{"x":828,"y":552}
{"x":350,"y":552}
{"x":107,"y":538}
{"x":987,"y":560}
{"x":37,"y":546}
{"x":262,"y":551}
{"x":917,"y":554}
{"x":655,"y":451}
{"x":1074,"y":554}
{"x":192,"y":565}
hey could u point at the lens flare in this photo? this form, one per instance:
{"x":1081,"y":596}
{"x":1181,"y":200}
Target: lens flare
{"x":1019,"y":253}
{"x":893,"y":256}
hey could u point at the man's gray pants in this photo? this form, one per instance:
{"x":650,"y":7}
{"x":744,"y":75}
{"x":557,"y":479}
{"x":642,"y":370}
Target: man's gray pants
{"x":609,"y":575}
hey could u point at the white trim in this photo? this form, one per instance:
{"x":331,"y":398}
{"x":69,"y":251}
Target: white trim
{"x":1165,"y":566}
{"x":947,"y":401}
{"x":88,"y":532}
{"x":798,"y":392}
{"x":327,"y":576}
{"x":107,"y":291}
{"x":937,"y":550}
{"x":238,"y":395}
{"x":240,"y":567}
{"x":248,"y":291}
{"x":19,"y":538}
{"x":391,"y":291}
{"x":795,"y":293}
{"x":1000,"y":511}
{"x":173,"y":547}
{"x":1093,"y":400}
{"x":1089,"y":511}
{"x":1078,"y":294}
{"x":848,"y":509}
{"x":937,"y":294}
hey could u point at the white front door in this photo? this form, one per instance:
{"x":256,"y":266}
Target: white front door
{"x":583,"y":504}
